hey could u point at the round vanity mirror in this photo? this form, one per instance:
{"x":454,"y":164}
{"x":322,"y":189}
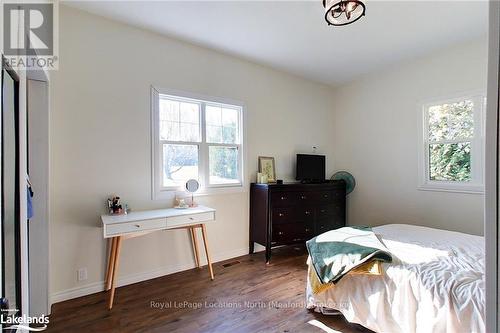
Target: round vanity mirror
{"x":192,"y":186}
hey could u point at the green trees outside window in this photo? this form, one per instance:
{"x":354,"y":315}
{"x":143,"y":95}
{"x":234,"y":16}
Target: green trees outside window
{"x":450,"y":135}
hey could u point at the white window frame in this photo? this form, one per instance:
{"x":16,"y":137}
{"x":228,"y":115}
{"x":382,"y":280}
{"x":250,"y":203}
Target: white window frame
{"x":476,"y":184}
{"x":161,"y":192}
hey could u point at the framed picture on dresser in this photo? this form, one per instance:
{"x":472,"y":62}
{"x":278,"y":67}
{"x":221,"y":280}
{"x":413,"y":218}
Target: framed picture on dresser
{"x":268,"y":168}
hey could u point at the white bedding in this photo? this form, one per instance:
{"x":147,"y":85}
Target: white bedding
{"x":435,"y":284}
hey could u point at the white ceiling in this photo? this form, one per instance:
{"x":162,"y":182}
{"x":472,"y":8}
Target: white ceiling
{"x":293,"y":36}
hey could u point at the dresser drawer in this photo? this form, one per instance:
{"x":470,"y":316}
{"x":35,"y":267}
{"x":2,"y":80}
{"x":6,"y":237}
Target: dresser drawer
{"x":330,"y":196}
{"x":282,"y":215}
{"x":325,"y":196}
{"x":325,"y":225}
{"x":123,"y":228}
{"x":289,"y":233}
{"x":330,"y":210}
{"x":304,"y":214}
{"x":283,"y":199}
{"x":322,"y":228}
{"x":304,"y":197}
{"x":189,"y":219}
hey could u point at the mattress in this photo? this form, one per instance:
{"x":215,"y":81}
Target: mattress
{"x":434,"y":284}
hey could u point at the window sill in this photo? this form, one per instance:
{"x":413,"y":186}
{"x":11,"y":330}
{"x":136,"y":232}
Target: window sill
{"x":453,"y":188}
{"x":207,"y":191}
{"x":223,"y":189}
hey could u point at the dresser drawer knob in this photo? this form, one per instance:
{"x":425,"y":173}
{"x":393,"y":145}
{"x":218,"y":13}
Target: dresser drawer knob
{"x":137,"y":226}
{"x":280,"y":233}
{"x":307,"y":229}
{"x":303,"y":197}
{"x":308,"y":212}
{"x":323,"y":210}
{"x":281,"y":214}
{"x":325,"y":196}
{"x":191,"y":218}
{"x":283,"y":198}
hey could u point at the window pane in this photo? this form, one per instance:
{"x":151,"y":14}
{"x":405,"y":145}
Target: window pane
{"x":230,"y":125}
{"x":450,"y":162}
{"x":229,"y":135}
{"x":170,"y":130}
{"x":180,"y":163}
{"x":222,"y":125}
{"x":229,"y":118}
{"x":223,"y":165}
{"x":179,"y":121}
{"x":169,"y":110}
{"x":451,"y":121}
{"x":214,"y":134}
{"x":189,"y":132}
{"x":190,"y":113}
{"x":213,"y":115}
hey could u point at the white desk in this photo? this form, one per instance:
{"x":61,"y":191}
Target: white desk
{"x":117,"y":228}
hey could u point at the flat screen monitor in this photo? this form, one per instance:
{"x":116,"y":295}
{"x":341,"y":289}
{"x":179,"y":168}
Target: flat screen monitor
{"x":310,"y":168}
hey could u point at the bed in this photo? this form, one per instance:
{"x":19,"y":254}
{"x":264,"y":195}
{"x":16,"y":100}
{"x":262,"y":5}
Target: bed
{"x":434,"y":284}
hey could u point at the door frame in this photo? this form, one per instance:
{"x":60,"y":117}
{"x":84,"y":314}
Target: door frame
{"x":5,"y":68}
{"x":491,"y":171}
{"x":39,"y":248}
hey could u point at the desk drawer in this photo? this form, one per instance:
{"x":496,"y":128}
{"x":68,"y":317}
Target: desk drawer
{"x":138,"y":226}
{"x":189,"y":219}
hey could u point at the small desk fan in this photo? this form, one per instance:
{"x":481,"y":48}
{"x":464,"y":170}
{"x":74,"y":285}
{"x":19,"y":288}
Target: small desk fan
{"x":347,"y":177}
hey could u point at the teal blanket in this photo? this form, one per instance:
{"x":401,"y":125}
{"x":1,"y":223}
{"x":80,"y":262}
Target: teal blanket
{"x":336,"y":252}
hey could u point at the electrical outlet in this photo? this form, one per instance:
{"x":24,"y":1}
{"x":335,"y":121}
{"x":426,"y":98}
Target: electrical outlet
{"x":82,"y":274}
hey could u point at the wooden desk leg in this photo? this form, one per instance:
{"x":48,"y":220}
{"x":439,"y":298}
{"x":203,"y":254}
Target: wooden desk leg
{"x":111,"y":263}
{"x":195,"y":246}
{"x":205,"y":243}
{"x":115,"y":270}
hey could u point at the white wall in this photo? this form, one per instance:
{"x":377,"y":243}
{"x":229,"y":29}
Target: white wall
{"x":100,"y":142}
{"x":376,"y":138}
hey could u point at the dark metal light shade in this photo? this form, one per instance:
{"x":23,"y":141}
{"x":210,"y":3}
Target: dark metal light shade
{"x":343,"y":12}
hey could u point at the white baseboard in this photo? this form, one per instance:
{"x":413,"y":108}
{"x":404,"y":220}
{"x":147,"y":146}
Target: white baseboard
{"x":96,"y":287}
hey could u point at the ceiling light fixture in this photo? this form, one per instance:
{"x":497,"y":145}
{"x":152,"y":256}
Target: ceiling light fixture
{"x":343,"y":12}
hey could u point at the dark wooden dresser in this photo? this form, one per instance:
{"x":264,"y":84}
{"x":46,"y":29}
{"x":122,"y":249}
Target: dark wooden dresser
{"x":286,"y":214}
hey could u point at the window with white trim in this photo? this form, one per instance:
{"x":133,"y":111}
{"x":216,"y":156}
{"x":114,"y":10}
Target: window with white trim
{"x":196,"y":138}
{"x":453,"y":145}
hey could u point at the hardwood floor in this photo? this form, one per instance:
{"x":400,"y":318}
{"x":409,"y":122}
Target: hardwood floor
{"x":248,"y":296}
